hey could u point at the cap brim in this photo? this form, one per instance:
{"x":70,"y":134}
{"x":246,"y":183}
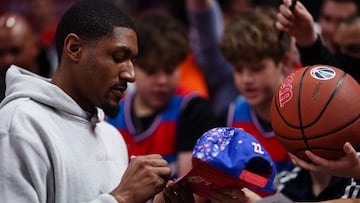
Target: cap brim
{"x":203,"y":178}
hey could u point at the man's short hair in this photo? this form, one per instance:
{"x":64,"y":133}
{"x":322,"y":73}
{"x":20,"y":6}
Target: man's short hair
{"x":90,"y":20}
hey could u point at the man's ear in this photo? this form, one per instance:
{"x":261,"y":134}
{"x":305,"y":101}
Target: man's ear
{"x":72,"y":47}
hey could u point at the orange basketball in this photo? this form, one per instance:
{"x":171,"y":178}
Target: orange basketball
{"x":317,"y":108}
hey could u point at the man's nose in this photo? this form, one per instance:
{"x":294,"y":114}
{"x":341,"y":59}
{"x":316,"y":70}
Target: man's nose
{"x":128,"y":72}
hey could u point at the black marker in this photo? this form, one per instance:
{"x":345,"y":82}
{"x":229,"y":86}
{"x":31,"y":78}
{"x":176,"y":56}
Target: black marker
{"x":292,"y":6}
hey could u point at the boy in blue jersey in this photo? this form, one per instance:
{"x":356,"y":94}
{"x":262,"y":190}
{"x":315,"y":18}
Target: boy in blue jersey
{"x":260,"y":62}
{"x":159,"y":116}
{"x":251,"y":44}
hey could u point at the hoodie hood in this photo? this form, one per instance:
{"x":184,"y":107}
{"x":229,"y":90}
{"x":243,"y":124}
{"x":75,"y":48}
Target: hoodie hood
{"x":21,"y":83}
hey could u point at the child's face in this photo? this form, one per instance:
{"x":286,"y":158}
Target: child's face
{"x":257,"y":80}
{"x":155,"y":88}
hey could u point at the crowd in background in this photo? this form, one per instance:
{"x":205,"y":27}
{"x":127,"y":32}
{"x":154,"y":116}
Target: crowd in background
{"x":211,"y":66}
{"x":43,"y":16}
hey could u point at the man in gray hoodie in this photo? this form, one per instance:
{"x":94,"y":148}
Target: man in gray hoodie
{"x":54,"y":143}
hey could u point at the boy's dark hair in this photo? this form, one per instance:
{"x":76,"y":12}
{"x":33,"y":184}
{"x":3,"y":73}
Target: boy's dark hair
{"x":90,"y":20}
{"x":253,"y":37}
{"x":161,"y":40}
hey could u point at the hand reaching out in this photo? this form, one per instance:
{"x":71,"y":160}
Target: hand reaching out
{"x":299,"y":23}
{"x":346,"y":166}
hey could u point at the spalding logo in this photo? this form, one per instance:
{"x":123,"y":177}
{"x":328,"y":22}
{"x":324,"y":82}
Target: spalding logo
{"x":286,"y":90}
{"x":322,"y":73}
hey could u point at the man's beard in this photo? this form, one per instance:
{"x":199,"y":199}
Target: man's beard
{"x":110,"y":110}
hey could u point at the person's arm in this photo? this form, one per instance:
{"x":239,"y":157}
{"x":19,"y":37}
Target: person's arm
{"x":317,"y":53}
{"x":24,"y":171}
{"x":27,"y":175}
{"x":346,"y":166}
{"x":206,"y":28}
{"x":300,"y":24}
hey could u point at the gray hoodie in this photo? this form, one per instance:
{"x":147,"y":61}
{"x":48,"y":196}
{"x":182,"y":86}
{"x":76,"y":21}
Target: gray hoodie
{"x":50,"y":150}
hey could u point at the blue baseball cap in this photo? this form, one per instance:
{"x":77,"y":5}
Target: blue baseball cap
{"x":230,"y":157}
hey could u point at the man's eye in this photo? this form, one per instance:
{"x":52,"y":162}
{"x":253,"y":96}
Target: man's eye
{"x":118,"y":59}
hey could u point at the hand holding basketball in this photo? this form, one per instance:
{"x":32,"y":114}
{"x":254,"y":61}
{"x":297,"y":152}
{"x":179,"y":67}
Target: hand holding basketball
{"x":346,"y":166}
{"x":317,"y":108}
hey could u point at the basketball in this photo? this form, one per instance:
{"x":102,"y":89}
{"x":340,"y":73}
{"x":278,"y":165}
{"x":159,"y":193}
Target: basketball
{"x":317,"y":108}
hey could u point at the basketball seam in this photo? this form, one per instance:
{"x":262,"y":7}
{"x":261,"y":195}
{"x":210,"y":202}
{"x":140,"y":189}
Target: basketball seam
{"x":301,"y":127}
{"x":322,"y":135}
{"x":339,"y":83}
{"x":322,"y":111}
{"x":308,"y":133}
{"x":299,"y":110}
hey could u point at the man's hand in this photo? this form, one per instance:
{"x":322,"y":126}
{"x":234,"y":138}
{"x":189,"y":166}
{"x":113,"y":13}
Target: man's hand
{"x":145,"y":176}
